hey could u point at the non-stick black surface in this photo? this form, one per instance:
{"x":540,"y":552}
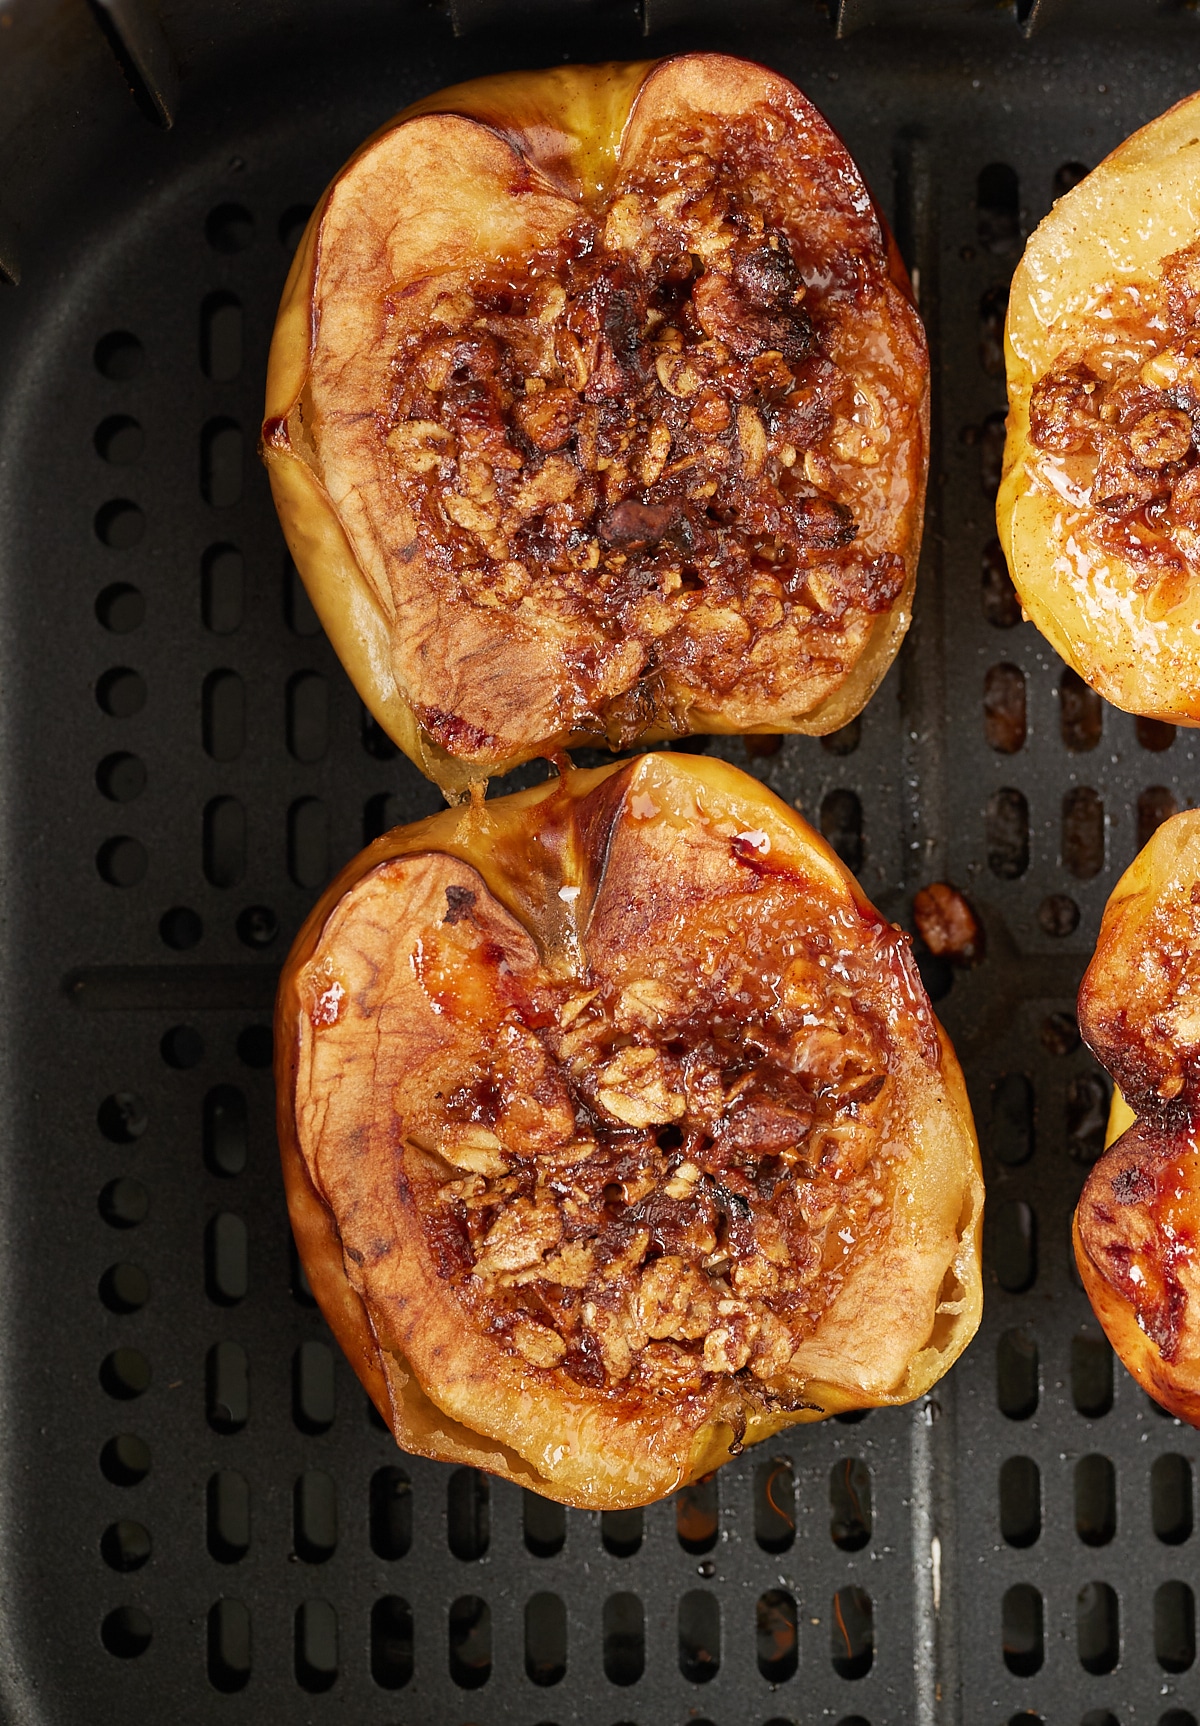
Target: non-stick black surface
{"x":200,"y":1520}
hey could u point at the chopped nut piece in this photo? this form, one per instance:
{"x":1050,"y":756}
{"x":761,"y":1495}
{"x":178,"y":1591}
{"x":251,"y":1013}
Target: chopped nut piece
{"x":538,"y":1343}
{"x":521,"y":1235}
{"x":645,"y":1003}
{"x":421,"y":444}
{"x":947,"y":924}
{"x":1161,"y":436}
{"x":675,"y":1299}
{"x":683,"y":1181}
{"x":471,"y":1147}
{"x":639,"y":1089}
{"x":549,"y":418}
{"x":728,"y":1346}
{"x":573,"y":1267}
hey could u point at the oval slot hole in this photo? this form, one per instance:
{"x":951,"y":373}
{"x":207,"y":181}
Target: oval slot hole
{"x":1014,"y":1245}
{"x":621,"y":1531}
{"x":545,"y":1640}
{"x":1012,"y":1119}
{"x":226,"y":1259}
{"x":468,"y":1514}
{"x":308,"y":842}
{"x":699,"y":1636}
{"x":1154,"y":806}
{"x":316,"y":1645}
{"x":774,"y":1504}
{"x":313,"y":1387}
{"x":842,"y":824}
{"x":624,"y":1639}
{"x":229,"y":1647}
{"x":1097,"y":1628}
{"x":1082,"y":833}
{"x":222,"y":589}
{"x":221,"y":337}
{"x":1004,"y":721}
{"x":390,"y":1513}
{"x":228,"y":1502}
{"x":850,"y":1504}
{"x":1174,"y":1627}
{"x":1095,"y":1500}
{"x":470,"y":1642}
{"x":227,"y":1387}
{"x":391,"y":1642}
{"x":1006,"y":830}
{"x":1080,"y":713}
{"x":1091,"y":1374}
{"x":544,"y":1524}
{"x":225,"y":1131}
{"x":1022,"y":1635}
{"x":696,"y":1515}
{"x":775,"y":1627}
{"x":1171,"y":1499}
{"x":852,"y":1633}
{"x":1017,"y":1376}
{"x":308,"y":716}
{"x":221,"y":463}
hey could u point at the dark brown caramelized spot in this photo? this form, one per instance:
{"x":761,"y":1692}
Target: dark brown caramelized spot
{"x":1124,"y":410}
{"x":727,"y":1153}
{"x":1139,"y":1221}
{"x":645,"y":429}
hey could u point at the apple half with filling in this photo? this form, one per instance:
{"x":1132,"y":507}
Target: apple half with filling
{"x":597,"y":411}
{"x":1137,"y":1226}
{"x":618,"y":1133}
{"x":1099,"y":506}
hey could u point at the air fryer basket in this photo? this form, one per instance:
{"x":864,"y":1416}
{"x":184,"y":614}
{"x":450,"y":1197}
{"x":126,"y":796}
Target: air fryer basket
{"x":201,"y":1521}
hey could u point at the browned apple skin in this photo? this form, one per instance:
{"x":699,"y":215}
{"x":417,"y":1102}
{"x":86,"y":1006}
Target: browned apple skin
{"x":1137,"y":1224}
{"x":523,"y":847}
{"x":566,"y":133}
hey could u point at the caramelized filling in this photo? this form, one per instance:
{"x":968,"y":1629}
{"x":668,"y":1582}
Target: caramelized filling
{"x":675,"y":426}
{"x":660,"y":1170}
{"x":1122,"y":410}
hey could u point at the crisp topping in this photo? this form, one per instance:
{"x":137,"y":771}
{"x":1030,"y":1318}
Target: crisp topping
{"x":674,"y":428}
{"x":726,"y":1154}
{"x":1122,"y":410}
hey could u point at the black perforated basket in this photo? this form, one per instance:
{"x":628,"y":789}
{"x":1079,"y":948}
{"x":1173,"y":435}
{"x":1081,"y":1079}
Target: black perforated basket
{"x":201,"y":1520}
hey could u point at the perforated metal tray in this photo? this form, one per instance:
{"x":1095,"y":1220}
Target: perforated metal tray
{"x":200,"y":1520}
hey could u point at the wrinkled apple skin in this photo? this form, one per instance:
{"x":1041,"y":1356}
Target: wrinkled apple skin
{"x":1103,"y":238}
{"x":569,"y":124}
{"x":456,"y":1396}
{"x":1138,"y":1220}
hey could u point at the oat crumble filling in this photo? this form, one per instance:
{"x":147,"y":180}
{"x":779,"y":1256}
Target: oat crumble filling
{"x":675,"y":426}
{"x":654,"y":1182}
{"x":1122,"y":409}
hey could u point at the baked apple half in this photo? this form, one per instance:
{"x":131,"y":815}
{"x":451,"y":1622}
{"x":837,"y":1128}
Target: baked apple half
{"x":1137,"y":1227}
{"x":597,"y":412}
{"x":619,"y":1133}
{"x":1099,"y":507}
